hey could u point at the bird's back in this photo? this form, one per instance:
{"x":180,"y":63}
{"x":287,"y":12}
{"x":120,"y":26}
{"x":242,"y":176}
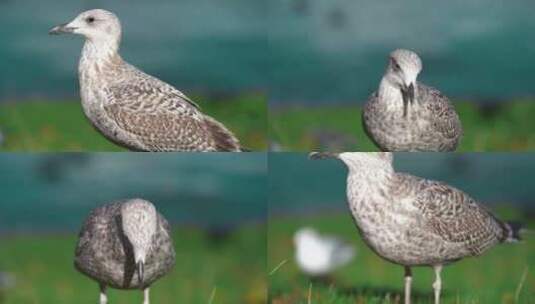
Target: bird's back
{"x":141,"y":112}
{"x":105,"y":254}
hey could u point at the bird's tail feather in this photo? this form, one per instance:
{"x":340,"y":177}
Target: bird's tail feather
{"x":344,"y":255}
{"x":224,"y":140}
{"x":513,"y":230}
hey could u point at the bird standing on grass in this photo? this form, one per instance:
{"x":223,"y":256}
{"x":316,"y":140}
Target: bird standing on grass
{"x":413,"y":221}
{"x":406,"y":115}
{"x":125,"y":245}
{"x":131,"y":108}
{"x":319,"y":255}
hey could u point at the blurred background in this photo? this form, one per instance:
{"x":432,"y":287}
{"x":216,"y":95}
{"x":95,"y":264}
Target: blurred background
{"x":213,"y":51}
{"x":329,"y":56}
{"x":306,"y":193}
{"x":215,"y":203}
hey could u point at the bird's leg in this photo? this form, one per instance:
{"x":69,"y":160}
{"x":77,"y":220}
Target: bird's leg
{"x":103,"y":295}
{"x":408,"y":281}
{"x":437,"y":285}
{"x":146,"y":296}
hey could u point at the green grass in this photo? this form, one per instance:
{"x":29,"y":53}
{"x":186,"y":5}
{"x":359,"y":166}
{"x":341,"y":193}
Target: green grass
{"x":491,"y":278}
{"x":229,"y":272}
{"x":510,"y":129}
{"x":62,"y":126}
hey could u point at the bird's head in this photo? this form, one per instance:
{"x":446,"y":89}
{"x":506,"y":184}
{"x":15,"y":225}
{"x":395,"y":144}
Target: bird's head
{"x":402,"y":71}
{"x":139,"y":221}
{"x":304,"y":234}
{"x":357,"y":161}
{"x":96,"y":25}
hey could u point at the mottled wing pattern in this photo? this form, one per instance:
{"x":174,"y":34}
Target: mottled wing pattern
{"x":447,"y":122}
{"x":95,"y":235}
{"x":457,"y":218}
{"x":370,"y":108}
{"x":161,"y":120}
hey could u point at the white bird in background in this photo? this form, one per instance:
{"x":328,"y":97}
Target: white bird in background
{"x":319,"y":255}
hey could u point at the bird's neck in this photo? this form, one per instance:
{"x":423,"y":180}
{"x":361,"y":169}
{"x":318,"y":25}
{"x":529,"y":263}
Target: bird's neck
{"x":369,"y":180}
{"x":371,"y":174}
{"x":98,"y":53}
{"x":389,"y":92}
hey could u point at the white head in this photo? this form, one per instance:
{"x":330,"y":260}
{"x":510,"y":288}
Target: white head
{"x":139,"y":222}
{"x":98,"y":26}
{"x":304,"y":234}
{"x":402,"y":71}
{"x":356,"y":161}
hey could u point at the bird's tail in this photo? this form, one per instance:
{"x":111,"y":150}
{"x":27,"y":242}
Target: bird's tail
{"x":224,"y":140}
{"x":345,"y":255}
{"x":513,"y":231}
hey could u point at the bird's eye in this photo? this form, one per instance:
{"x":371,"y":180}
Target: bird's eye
{"x":395,"y":65}
{"x":90,"y":19}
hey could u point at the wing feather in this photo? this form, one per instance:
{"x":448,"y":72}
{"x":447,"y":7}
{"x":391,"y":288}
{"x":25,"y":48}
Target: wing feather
{"x":458,"y":218}
{"x":447,"y":123}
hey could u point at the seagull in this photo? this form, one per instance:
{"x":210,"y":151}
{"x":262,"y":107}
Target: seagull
{"x":125,"y":245}
{"x":406,"y":115}
{"x":318,"y":255}
{"x":131,"y":108}
{"x":412,"y":221}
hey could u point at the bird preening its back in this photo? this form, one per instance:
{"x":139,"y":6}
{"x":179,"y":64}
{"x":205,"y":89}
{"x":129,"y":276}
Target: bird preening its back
{"x":132,"y":108}
{"x":406,"y":115}
{"x":413,"y":221}
{"x":125,"y":245}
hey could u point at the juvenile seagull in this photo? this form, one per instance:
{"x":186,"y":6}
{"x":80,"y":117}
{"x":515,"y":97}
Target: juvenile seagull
{"x":318,"y":255}
{"x":413,"y":221}
{"x":131,"y":108}
{"x":125,"y":245}
{"x":406,"y":115}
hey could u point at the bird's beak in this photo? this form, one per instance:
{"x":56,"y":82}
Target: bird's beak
{"x":322,"y":155}
{"x":140,"y":271}
{"x":62,"y":29}
{"x":408,"y":93}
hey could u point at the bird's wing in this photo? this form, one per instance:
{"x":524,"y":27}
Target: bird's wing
{"x":342,"y":252}
{"x":448,"y":123}
{"x":161,"y":118}
{"x":457,"y":218}
{"x":369,"y":106}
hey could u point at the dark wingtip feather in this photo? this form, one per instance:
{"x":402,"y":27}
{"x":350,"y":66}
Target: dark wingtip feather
{"x":513,"y":231}
{"x":225,"y":141}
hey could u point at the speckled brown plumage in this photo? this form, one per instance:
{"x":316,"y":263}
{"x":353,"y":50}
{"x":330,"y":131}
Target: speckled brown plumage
{"x":413,"y":221}
{"x":406,"y":115}
{"x":132,"y":108}
{"x":105,"y":254}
